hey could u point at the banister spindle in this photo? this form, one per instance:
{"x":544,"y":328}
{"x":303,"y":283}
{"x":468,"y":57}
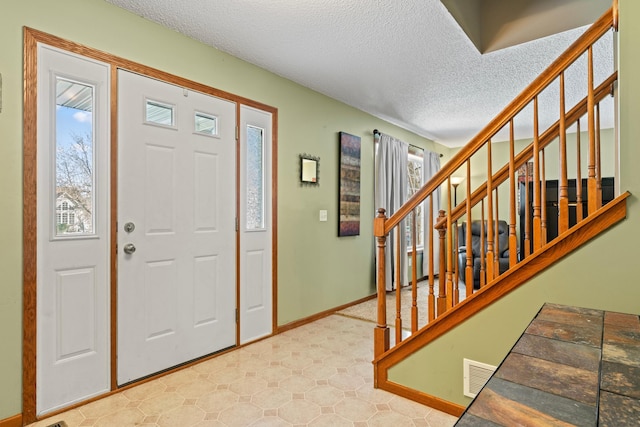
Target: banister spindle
{"x":483,"y":240}
{"x":598,"y":164}
{"x":537,"y":200}
{"x":543,"y":196}
{"x":513,"y":239}
{"x":490,"y":265}
{"x":398,"y":236}
{"x":414,"y":274}
{"x":592,"y":185}
{"x":527,"y":213}
{"x":442,"y":281}
{"x":579,"y":208}
{"x":496,"y":241}
{"x":563,"y":187}
{"x":468,"y":271}
{"x":431,"y":300}
{"x":381,"y":333}
{"x":449,"y":286}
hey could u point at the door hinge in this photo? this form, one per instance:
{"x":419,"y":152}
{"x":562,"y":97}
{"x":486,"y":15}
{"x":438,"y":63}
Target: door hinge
{"x":237,"y":224}
{"x":237,"y":133}
{"x":237,"y":316}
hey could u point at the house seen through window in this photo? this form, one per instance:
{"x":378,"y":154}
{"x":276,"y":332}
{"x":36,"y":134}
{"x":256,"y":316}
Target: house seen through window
{"x":415,"y":166}
{"x":74,"y":145}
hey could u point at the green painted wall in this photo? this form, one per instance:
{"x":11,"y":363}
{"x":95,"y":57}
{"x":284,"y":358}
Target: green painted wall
{"x":602,"y":274}
{"x":308,"y":123}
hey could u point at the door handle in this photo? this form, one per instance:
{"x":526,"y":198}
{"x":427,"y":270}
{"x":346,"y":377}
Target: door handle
{"x":129,"y":248}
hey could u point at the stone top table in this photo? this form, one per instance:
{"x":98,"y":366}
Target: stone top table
{"x":572,"y":366}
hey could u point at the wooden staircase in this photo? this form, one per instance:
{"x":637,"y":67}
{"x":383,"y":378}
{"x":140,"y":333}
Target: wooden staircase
{"x":576,"y":131}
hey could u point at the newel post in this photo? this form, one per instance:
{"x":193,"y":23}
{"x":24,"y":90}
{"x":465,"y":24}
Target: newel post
{"x":381,"y":333}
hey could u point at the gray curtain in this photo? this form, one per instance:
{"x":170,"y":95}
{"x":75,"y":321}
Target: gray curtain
{"x":431,"y":167}
{"x":391,"y":193}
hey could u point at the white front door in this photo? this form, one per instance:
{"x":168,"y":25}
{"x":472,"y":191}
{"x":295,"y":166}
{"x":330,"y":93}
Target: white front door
{"x":176,"y":225}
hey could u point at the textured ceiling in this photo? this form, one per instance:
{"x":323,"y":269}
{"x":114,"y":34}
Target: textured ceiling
{"x":407,"y":62}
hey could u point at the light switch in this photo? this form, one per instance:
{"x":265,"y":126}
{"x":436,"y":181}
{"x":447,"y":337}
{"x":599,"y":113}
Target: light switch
{"x":323,"y":215}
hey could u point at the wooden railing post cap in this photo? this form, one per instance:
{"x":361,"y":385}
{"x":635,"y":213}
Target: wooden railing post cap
{"x":382,"y":213}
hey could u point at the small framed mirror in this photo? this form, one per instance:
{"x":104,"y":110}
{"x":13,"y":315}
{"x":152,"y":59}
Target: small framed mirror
{"x":309,"y":169}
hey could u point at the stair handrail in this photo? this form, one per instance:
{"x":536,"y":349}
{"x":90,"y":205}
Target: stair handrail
{"x":607,"y":21}
{"x":546,"y":138}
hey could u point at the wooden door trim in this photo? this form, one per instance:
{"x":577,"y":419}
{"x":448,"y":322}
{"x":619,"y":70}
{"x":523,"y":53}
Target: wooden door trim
{"x":31,"y":38}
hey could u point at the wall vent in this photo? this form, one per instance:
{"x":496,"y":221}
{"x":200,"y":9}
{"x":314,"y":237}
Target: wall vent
{"x":475,"y":375}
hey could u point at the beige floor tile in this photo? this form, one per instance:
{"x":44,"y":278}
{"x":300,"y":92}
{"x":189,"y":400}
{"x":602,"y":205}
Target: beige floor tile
{"x":160,"y":403}
{"x":248,"y":386}
{"x":325,"y":395}
{"x":217,"y":401}
{"x":182,"y":416}
{"x":330,"y":420}
{"x":297,"y":384}
{"x":145,"y":391}
{"x":271,"y":398}
{"x":195,"y":389}
{"x":240,"y":415}
{"x":299,"y":411}
{"x":129,"y":417}
{"x":105,"y":406}
{"x":355,"y":409}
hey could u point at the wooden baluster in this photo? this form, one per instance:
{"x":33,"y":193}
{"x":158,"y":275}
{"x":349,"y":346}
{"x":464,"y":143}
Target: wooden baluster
{"x":579,"y":210}
{"x":431,"y":300}
{"x":442,"y":281}
{"x":598,"y":165}
{"x":414,"y":275}
{"x":490,"y":265}
{"x":468,"y":271}
{"x":543,"y":196}
{"x":483,"y":242}
{"x":537,"y":201}
{"x":456,"y":273}
{"x":513,"y":239}
{"x":527,"y":213}
{"x":398,"y":236}
{"x":449,"y":249}
{"x":381,"y":333}
{"x":496,"y":240}
{"x":592,"y":185}
{"x":563,"y":187}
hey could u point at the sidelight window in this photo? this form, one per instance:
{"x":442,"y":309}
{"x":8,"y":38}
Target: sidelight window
{"x":74,"y":151}
{"x":255,"y":178}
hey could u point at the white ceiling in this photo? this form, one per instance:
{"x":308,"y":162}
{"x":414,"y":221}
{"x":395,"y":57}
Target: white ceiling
{"x":407,"y":62}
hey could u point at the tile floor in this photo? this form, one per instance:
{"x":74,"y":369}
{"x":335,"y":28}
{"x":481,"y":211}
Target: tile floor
{"x":319,"y":374}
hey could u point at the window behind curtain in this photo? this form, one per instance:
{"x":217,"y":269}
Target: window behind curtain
{"x":415,"y":171}
{"x":415,"y":174}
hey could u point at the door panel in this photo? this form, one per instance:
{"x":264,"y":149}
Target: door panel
{"x":73,"y":345}
{"x":176,"y":291}
{"x":256,"y":281}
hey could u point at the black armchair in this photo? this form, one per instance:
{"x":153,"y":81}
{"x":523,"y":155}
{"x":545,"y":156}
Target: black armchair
{"x":502,"y":249}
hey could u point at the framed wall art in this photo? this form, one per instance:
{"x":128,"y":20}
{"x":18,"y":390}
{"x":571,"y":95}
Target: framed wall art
{"x":349,"y":202}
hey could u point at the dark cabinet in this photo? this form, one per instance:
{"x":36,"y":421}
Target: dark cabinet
{"x":551,"y":202}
